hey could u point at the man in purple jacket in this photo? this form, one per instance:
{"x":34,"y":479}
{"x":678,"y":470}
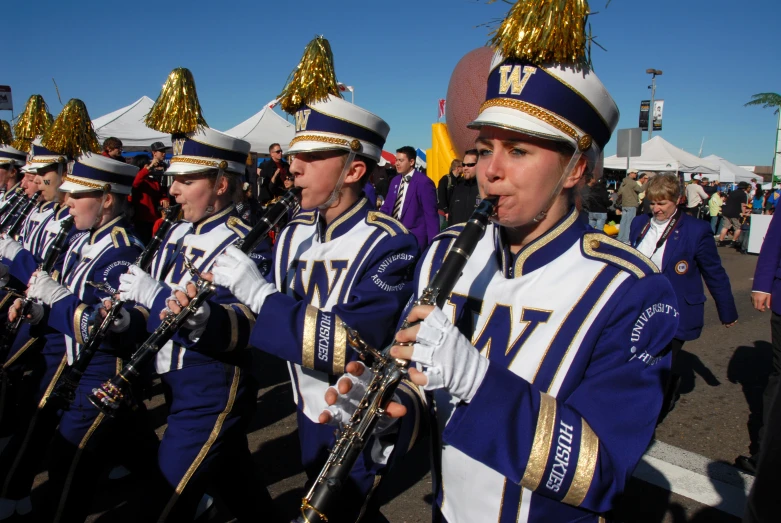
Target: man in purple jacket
{"x":412,"y":199}
{"x":766,"y":294}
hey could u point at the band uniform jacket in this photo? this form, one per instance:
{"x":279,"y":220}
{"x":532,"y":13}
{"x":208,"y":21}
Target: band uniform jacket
{"x":573,"y":326}
{"x":767,"y":275}
{"x":419,"y":211}
{"x":690,"y":256}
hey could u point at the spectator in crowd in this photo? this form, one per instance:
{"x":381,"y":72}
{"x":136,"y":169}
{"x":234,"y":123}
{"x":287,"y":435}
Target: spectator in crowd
{"x":596,"y":201}
{"x":148,"y":195}
{"x":772,"y":200}
{"x":112,"y":147}
{"x":271,"y":179}
{"x":412,"y":198}
{"x":465,"y":195}
{"x":766,"y":462}
{"x":381,"y":181}
{"x":714,"y":207}
{"x":682,"y":248}
{"x":735,"y":208}
{"x":758,"y":203}
{"x":709,"y":187}
{"x":628,"y":201}
{"x":695,"y":196}
{"x":445,"y":189}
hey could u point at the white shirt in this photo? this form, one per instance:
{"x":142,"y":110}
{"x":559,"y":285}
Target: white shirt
{"x":648,"y":244}
{"x":695,"y":195}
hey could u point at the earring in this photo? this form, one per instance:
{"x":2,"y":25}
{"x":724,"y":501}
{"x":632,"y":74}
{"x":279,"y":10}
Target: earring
{"x":541,"y":216}
{"x":210,"y":209}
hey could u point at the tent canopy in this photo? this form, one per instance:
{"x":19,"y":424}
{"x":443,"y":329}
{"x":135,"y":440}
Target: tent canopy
{"x":127,"y":124}
{"x":660,"y":155}
{"x":420,"y":161}
{"x":731,"y":173}
{"x":264,"y":128}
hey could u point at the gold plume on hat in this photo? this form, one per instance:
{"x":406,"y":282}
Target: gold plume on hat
{"x":72,"y":133}
{"x":5,"y":133}
{"x":177,"y":109}
{"x":34,"y":121}
{"x":313,"y":79}
{"x":544,"y":31}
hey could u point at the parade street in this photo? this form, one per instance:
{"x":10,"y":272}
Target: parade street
{"x":686,"y":476}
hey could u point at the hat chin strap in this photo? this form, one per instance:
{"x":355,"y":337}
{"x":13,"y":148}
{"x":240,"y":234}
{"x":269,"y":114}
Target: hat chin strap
{"x":220,"y":173}
{"x":557,"y":190}
{"x":99,"y":215}
{"x":337,"y":192}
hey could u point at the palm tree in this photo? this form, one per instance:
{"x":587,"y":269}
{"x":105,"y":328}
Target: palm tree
{"x":771,"y":101}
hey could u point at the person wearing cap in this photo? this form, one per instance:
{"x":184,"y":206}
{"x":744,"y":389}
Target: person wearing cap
{"x":205,"y":372}
{"x":339,"y":263}
{"x":11,"y":161}
{"x":545,"y":365}
{"x":149,"y":195}
{"x":103,"y":250}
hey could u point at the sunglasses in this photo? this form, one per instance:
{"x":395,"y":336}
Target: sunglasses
{"x":277,"y":152}
{"x":469,"y":164}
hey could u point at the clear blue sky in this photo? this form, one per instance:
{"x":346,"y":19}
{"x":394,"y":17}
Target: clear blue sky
{"x":399,"y":56}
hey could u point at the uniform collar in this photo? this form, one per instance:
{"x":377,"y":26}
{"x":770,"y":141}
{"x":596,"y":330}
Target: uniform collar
{"x":344,"y":222}
{"x":208,"y":224}
{"x":104,"y":230}
{"x":542,"y":250}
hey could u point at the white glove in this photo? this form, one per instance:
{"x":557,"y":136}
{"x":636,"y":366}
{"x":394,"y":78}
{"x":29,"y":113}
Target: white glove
{"x":35,"y":312}
{"x":236,"y":271}
{"x":347,"y":404}
{"x":138,"y":286}
{"x":196,"y":322}
{"x":9,"y":248}
{"x":452,"y":362}
{"x":44,"y":288}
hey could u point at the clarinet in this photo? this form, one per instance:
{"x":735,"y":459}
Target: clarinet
{"x":11,"y":201}
{"x":12,"y":328}
{"x":388,"y":373}
{"x":110,"y":396}
{"x":64,"y":392}
{"x":14,"y":220}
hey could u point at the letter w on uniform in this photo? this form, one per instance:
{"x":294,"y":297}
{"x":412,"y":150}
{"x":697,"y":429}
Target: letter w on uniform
{"x":302,"y":118}
{"x":513,"y":78}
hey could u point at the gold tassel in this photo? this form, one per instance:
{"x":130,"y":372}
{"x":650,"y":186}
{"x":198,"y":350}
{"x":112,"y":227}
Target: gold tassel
{"x":313,"y":79}
{"x":72,"y":134}
{"x":22,"y":144}
{"x":544,"y":31}
{"x":34,"y":121}
{"x":5,"y":133}
{"x":177,"y":109}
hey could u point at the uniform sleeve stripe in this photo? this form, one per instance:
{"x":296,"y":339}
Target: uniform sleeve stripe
{"x":143,"y":311}
{"x":340,"y":347}
{"x":234,"y":322}
{"x":543,"y":438}
{"x":310,"y":330}
{"x":584,"y":471}
{"x":77,"y":323}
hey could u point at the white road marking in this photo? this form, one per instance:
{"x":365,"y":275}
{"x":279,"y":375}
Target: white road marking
{"x":716,"y":484}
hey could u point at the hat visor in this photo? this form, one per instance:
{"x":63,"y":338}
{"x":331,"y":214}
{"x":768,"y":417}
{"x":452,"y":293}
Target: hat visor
{"x":521,"y":122}
{"x":72,"y":187}
{"x":369,"y":151}
{"x":186,"y":168}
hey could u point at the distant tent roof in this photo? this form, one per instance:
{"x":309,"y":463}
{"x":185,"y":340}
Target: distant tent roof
{"x":420,"y":161}
{"x":660,"y":155}
{"x":731,"y":173}
{"x":127,"y":124}
{"x":386,"y":158}
{"x":264,"y":128}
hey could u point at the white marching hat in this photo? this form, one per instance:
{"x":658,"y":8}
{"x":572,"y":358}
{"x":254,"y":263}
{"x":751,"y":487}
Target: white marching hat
{"x":338,"y":124}
{"x":93,"y":172}
{"x":554,"y":101}
{"x":9,"y":155}
{"x":207,"y":149}
{"x":40,"y":157}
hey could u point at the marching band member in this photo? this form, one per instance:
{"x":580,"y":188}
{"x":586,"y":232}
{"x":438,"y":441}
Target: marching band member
{"x":340,"y":262}
{"x":546,"y":362}
{"x":11,"y":161}
{"x":209,"y":388}
{"x":101,"y":252}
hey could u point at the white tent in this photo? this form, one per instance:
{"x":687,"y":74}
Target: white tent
{"x":660,"y":155}
{"x":264,"y":128}
{"x":127,"y":124}
{"x":731,"y":173}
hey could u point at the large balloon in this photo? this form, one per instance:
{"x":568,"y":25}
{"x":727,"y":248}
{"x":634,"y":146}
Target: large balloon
{"x":465,"y":95}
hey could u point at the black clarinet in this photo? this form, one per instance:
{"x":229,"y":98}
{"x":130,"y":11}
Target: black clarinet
{"x":12,"y":328}
{"x":388,"y":373}
{"x":10,"y":206}
{"x":16,"y":216}
{"x":64,"y":392}
{"x":110,"y":396}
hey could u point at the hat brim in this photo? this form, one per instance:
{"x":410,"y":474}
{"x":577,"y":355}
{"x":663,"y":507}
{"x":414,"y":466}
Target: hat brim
{"x":71,"y":187}
{"x":368,"y":150}
{"x":513,"y":120}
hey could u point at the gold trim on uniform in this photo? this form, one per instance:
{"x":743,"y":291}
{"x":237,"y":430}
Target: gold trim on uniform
{"x":196,"y":161}
{"x":206,"y":446}
{"x":77,"y":323}
{"x":535,"y":111}
{"x":332,"y":140}
{"x":234,"y":321}
{"x":82,"y":181}
{"x":19,"y":353}
{"x":310,"y":330}
{"x":143,"y":311}
{"x":346,"y":216}
{"x":542,"y":241}
{"x":103,"y":228}
{"x":233,"y":224}
{"x":340,"y":346}
{"x":117,"y":232}
{"x":217,"y":216}
{"x":587,"y":463}
{"x":543,"y":437}
{"x":629,"y":266}
{"x":380,"y":219}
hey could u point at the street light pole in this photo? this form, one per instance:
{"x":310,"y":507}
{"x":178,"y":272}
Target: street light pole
{"x":654,"y":73}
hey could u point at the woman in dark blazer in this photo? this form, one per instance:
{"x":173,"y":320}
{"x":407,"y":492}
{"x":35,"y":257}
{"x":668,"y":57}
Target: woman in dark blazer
{"x":683,"y":249}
